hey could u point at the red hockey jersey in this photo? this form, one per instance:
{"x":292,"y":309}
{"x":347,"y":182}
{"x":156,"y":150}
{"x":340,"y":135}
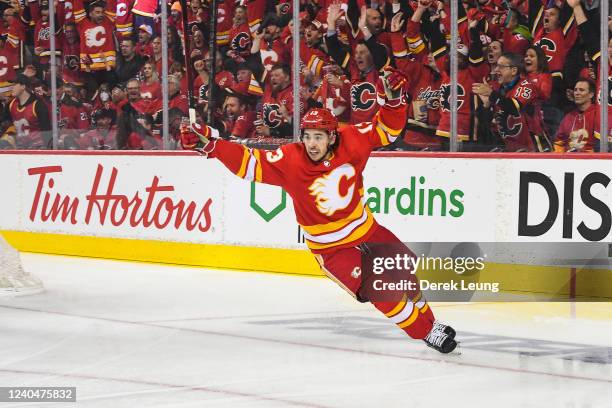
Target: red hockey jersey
{"x":97,"y":40}
{"x":328,"y":195}
{"x":272,"y":103}
{"x":124,"y":19}
{"x":577,"y":131}
{"x":27,"y":126}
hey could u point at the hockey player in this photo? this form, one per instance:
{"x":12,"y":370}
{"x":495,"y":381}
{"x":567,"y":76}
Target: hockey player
{"x":323,"y":175}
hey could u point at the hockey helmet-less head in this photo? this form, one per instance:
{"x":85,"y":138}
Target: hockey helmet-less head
{"x":319,"y":118}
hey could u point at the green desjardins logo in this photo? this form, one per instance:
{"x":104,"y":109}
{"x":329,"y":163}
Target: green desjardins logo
{"x":410,"y":200}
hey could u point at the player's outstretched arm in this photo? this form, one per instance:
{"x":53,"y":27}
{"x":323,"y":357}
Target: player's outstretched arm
{"x":269,"y":167}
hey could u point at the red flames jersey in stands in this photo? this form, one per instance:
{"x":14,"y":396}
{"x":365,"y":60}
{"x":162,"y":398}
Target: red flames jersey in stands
{"x":27,"y":126}
{"x":42,"y":35}
{"x":327,"y":195}
{"x":124,"y":18}
{"x":577,"y":130}
{"x":243,"y":126}
{"x":272,"y":103}
{"x":240,"y":40}
{"x":511,"y":122}
{"x":98,"y":140}
{"x":150,"y":91}
{"x":71,"y":72}
{"x":7,"y":72}
{"x":97,"y":40}
{"x":145,"y":8}
{"x":277,"y":52}
{"x":225,"y":13}
{"x":542,"y":82}
{"x":555,"y":46}
{"x":364,"y":100}
{"x":515,"y":42}
{"x":75,"y":117}
{"x":466,"y":77}
{"x":15,"y":36}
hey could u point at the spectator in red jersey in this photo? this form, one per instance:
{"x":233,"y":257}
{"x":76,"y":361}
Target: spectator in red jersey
{"x":142,"y":136}
{"x":30,"y":117}
{"x":156,"y":57}
{"x":200,"y":83}
{"x":103,"y":136}
{"x":239,"y":118}
{"x":74,"y":113}
{"x":71,"y":70}
{"x":577,"y":129}
{"x":150,"y":86}
{"x":97,"y":47}
{"x":277,"y":107}
{"x":536,"y":68}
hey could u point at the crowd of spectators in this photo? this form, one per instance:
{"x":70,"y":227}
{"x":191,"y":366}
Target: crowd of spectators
{"x":528,"y":77}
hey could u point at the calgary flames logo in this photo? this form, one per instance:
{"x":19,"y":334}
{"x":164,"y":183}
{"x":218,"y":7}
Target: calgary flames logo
{"x":548,"y":46}
{"x":363,"y":96}
{"x":271,"y":115}
{"x":330,"y":196}
{"x":509,"y":125}
{"x":241,"y":42}
{"x":431,"y":97}
{"x":72,"y":62}
{"x":445,"y":97}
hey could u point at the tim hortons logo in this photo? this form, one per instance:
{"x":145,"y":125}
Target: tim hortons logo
{"x":148,"y":207}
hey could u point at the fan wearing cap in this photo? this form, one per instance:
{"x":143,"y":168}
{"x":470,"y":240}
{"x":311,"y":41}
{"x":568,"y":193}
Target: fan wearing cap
{"x":323,"y":176}
{"x":145,"y":12}
{"x":144,"y":46}
{"x":30,"y":116}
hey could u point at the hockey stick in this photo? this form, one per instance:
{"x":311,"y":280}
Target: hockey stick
{"x":188,"y":68}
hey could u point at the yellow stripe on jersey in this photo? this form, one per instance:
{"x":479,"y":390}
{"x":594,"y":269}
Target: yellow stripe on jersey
{"x":354,"y":236}
{"x":384,"y":138}
{"x":335,"y":225}
{"x":258,"y":168}
{"x":410,"y":320}
{"x":398,"y":307}
{"x":243,"y":166}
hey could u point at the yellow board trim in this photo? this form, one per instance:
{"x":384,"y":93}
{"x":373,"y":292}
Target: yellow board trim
{"x":552,"y":280}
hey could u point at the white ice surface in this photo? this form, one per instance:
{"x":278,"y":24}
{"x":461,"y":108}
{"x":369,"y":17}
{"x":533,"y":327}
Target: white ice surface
{"x":140,"y":335}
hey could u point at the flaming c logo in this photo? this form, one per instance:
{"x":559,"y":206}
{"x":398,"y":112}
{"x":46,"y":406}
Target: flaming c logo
{"x":327,"y":191}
